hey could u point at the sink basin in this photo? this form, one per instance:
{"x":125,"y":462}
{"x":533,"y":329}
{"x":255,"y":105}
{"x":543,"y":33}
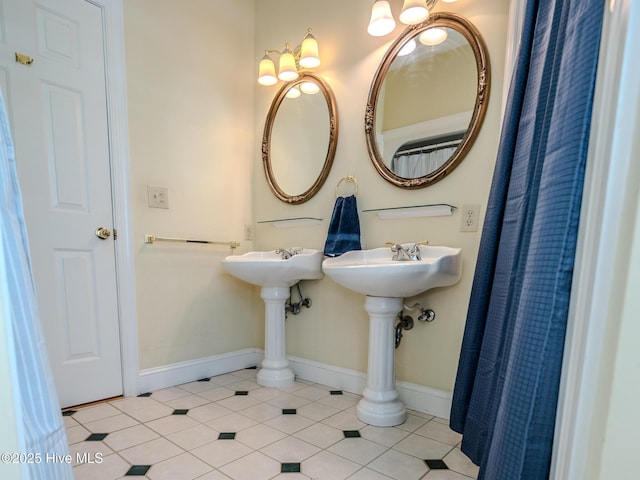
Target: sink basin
{"x":268,"y":269}
{"x":374,"y":273}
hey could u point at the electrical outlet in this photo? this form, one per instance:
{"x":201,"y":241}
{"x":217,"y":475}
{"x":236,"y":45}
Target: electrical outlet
{"x":248,"y":231}
{"x":157,"y":197}
{"x":469,"y":220}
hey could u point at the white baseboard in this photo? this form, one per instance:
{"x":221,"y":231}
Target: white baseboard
{"x":156,"y":378}
{"x":330,"y":375}
{"x":425,"y":399}
{"x":416,"y":397}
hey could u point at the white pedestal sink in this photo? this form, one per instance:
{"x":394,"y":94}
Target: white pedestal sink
{"x":386,"y":283}
{"x":275,"y":275}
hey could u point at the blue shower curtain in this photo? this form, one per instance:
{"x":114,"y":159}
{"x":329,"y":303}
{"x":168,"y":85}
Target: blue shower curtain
{"x":506,"y":390}
{"x":41,"y":431}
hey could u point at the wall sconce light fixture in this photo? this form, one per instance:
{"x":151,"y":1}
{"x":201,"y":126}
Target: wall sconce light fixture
{"x":413,"y":12}
{"x":291,"y":61}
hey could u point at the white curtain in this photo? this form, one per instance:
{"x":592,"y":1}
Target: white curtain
{"x":40,"y":426}
{"x":419,"y":164}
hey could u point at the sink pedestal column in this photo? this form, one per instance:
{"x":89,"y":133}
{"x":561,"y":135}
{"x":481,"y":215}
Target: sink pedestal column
{"x":380,"y":405}
{"x":275,"y":371}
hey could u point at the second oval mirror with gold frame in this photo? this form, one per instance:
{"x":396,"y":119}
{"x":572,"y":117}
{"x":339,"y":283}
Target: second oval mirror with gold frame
{"x":300,"y":138}
{"x":427,"y":101}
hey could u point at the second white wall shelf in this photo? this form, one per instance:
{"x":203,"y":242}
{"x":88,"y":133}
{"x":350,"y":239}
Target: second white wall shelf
{"x":413,"y":211}
{"x":293,"y":222}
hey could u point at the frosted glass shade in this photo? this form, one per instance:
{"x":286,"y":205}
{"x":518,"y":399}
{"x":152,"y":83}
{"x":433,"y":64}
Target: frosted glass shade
{"x":309,"y":56}
{"x":381,"y":22}
{"x":267,"y":72}
{"x":309,"y":88}
{"x":409,"y":47}
{"x":414,"y":11}
{"x":433,"y":36}
{"x":293,"y":92}
{"x":287,"y":70}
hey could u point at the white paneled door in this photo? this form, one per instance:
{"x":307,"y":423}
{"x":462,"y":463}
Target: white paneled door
{"x":52,"y":74}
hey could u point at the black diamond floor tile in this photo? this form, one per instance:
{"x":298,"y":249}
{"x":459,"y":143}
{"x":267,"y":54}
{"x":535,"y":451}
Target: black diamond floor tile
{"x":137,"y":471}
{"x":290,"y":468}
{"x":436,"y":464}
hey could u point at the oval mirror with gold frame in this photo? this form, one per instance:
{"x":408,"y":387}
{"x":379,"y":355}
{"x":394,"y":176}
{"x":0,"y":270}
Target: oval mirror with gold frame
{"x":425,"y":107}
{"x":300,"y":138}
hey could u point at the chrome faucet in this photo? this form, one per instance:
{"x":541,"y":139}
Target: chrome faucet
{"x":414,"y":251}
{"x":401,"y":253}
{"x":286,"y":254}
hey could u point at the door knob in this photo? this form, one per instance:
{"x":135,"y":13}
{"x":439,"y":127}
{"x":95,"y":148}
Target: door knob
{"x":103,"y":233}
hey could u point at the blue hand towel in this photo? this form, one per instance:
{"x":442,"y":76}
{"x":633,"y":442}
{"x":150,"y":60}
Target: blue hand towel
{"x":344,"y":228}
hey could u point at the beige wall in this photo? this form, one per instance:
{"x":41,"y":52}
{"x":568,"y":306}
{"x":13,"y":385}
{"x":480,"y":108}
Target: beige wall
{"x":196,"y":116}
{"x":335,"y":329}
{"x":190,"y":100}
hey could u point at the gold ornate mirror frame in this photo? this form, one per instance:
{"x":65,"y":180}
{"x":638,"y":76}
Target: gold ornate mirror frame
{"x":480,"y":52}
{"x":331,"y":148}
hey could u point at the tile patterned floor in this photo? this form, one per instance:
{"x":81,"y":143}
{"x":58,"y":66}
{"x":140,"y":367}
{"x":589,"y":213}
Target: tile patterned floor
{"x":228,"y":427}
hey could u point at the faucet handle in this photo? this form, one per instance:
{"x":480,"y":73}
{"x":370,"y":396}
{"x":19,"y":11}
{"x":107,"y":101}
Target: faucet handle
{"x":394,"y":246}
{"x":415,"y":250}
{"x":416,"y":245}
{"x":399,"y":251}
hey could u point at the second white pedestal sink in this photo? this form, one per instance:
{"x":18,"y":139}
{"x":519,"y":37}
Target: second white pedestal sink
{"x":275,"y":272}
{"x":386,"y":283}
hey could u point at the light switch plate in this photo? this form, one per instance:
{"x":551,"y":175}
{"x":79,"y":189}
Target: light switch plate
{"x":248,"y":231}
{"x":157,"y":197}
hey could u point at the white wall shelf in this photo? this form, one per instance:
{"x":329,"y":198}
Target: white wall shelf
{"x":292,"y":222}
{"x":413,"y":211}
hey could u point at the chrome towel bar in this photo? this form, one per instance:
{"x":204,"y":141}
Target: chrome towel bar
{"x":152,"y":239}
